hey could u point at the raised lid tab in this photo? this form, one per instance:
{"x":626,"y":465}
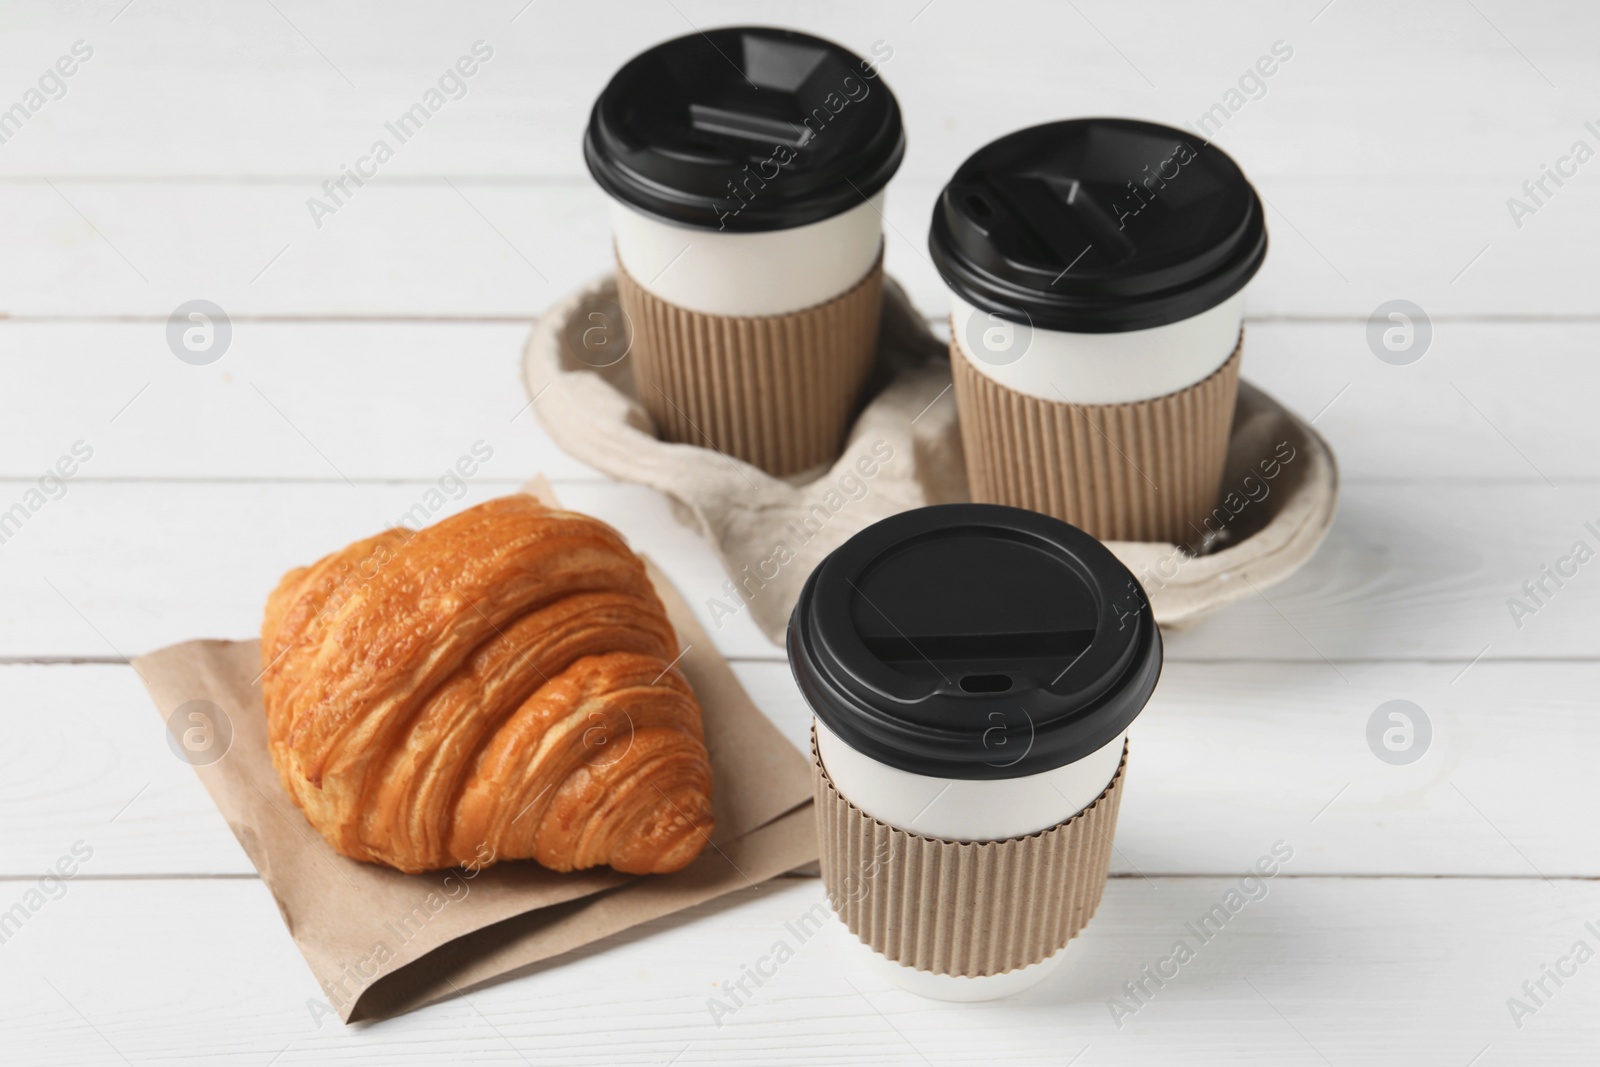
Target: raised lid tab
{"x":974,"y":641}
{"x":1098,"y":226}
{"x":745,"y":129}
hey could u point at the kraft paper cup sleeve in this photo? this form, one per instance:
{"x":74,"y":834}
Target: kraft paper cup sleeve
{"x":777,"y":391}
{"x":964,"y":908}
{"x":381,"y":943}
{"x":910,"y":416}
{"x":1148,"y":470}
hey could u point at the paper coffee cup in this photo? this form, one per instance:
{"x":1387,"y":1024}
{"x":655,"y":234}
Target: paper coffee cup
{"x":1096,"y":270}
{"x":973,"y":671}
{"x":746,"y":168}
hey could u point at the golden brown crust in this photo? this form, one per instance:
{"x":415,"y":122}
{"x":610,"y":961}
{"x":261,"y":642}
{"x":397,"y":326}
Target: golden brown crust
{"x":496,"y":686}
{"x":297,"y":613}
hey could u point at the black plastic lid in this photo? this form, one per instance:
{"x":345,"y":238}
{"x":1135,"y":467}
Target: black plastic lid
{"x":1098,"y":226}
{"x":745,"y":129}
{"x":974,"y":641}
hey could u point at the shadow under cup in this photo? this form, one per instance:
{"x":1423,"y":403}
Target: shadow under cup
{"x":746,"y":168}
{"x":1096,"y":270}
{"x":973,"y":671}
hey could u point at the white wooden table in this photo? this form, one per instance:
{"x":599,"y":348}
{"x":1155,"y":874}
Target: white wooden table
{"x":371,"y":351}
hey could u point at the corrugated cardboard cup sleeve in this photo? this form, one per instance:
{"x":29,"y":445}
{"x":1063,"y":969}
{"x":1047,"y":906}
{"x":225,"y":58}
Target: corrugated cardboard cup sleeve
{"x":964,"y":908}
{"x":777,"y":391}
{"x":1148,"y":470}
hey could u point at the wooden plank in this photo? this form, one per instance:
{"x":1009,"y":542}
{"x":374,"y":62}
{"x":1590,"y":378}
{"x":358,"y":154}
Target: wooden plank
{"x":179,"y":164}
{"x":1228,"y":755}
{"x":1422,"y":571}
{"x":213,"y":163}
{"x":508,"y":249}
{"x":1342,"y":970}
{"x":201,"y":559}
{"x":1410,"y":570}
{"x":403,"y":400}
{"x":308,"y":401}
{"x":183,"y":89}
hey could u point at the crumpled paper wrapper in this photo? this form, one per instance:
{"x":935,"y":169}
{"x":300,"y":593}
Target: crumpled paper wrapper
{"x":904,"y":451}
{"x":382,"y":943}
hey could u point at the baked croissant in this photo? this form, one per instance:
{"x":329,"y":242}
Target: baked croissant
{"x":500,"y":685}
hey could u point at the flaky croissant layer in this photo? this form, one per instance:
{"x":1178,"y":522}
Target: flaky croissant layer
{"x":497,"y":686}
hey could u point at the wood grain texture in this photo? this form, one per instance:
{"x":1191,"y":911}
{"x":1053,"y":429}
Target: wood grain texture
{"x":178,"y":89}
{"x":1353,"y":970}
{"x":178,"y":165}
{"x":508,"y":249}
{"x":1410,"y":570}
{"x":1228,"y":754}
{"x":212,"y":172}
{"x":430,"y":390}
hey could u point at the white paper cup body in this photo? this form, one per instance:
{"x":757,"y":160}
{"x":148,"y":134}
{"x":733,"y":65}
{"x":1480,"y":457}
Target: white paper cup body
{"x":960,"y":809}
{"x":1097,"y":368}
{"x":772,"y":272}
{"x":957,"y":809}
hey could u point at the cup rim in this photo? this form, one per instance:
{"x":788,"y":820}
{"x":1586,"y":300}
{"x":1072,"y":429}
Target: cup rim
{"x":1110,"y":297}
{"x":697,"y":188}
{"x":942,"y":728}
